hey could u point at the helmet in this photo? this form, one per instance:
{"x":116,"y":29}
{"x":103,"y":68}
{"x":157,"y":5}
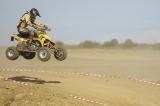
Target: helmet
{"x":34,"y":12}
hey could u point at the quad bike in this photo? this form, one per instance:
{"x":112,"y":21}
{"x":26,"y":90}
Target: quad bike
{"x":42,"y":45}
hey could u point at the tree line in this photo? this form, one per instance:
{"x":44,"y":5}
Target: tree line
{"x":113,"y":43}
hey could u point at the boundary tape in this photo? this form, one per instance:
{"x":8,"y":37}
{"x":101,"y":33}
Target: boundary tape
{"x":74,"y":97}
{"x":80,"y":98}
{"x":72,"y":73}
{"x":88,"y":100}
{"x":14,"y":81}
{"x":144,"y":81}
{"x":102,"y":76}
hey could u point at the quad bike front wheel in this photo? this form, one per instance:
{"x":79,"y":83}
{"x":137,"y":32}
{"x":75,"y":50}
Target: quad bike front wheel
{"x":28,"y":55}
{"x":12,"y":53}
{"x":43,"y":54}
{"x":60,"y":53}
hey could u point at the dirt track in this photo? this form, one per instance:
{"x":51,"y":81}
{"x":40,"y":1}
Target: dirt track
{"x":75,"y":82}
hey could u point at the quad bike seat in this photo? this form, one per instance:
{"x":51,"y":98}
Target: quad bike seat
{"x":23,"y":35}
{"x":19,"y":37}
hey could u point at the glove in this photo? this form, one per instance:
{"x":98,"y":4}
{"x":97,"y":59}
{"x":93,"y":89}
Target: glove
{"x":48,"y":29}
{"x":34,"y":26}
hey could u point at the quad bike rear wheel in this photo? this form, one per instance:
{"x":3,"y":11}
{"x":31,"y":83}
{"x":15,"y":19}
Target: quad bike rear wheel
{"x":28,"y":55}
{"x":60,"y":53}
{"x":12,"y":53}
{"x":43,"y":54}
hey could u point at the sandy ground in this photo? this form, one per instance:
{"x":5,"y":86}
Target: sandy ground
{"x":94,"y":77}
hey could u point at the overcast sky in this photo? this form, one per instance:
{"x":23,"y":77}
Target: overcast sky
{"x":73,"y":21}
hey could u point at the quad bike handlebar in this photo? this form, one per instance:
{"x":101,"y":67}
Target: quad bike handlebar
{"x":41,"y":29}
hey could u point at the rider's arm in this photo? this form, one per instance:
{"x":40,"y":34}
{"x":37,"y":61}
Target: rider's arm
{"x":27,"y":19}
{"x":38,"y":23}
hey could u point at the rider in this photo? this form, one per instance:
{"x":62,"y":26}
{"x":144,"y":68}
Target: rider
{"x":27,"y":20}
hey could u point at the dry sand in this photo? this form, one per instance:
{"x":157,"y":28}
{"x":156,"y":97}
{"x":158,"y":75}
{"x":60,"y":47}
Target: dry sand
{"x":49,"y":88}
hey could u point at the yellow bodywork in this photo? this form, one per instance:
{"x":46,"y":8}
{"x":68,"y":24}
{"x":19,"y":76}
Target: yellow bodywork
{"x":40,"y":37}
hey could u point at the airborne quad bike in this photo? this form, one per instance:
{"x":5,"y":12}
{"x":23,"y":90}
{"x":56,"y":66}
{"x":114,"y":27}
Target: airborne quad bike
{"x":42,"y":45}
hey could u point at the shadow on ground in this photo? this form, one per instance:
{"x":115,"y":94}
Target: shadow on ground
{"x":32,"y":80}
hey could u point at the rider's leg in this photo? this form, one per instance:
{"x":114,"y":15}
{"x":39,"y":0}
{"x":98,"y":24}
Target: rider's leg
{"x":31,"y":35}
{"x":24,"y":32}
